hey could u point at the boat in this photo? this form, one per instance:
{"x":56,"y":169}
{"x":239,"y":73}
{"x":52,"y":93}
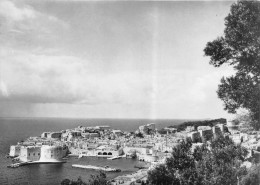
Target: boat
{"x":14,"y":165}
{"x":16,"y":159}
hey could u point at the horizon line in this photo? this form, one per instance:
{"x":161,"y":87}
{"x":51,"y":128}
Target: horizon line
{"x":50,"y":117}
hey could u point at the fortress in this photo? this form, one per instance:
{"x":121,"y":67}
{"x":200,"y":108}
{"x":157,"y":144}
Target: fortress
{"x":41,"y":154}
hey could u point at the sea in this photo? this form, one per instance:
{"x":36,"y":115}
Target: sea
{"x":13,"y":130}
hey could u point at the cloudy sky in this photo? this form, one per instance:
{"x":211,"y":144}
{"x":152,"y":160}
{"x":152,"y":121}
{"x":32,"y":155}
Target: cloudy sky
{"x":109,"y":59}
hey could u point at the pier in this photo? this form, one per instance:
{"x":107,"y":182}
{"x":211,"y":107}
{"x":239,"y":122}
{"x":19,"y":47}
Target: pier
{"x":115,"y":157}
{"x":106,"y":168}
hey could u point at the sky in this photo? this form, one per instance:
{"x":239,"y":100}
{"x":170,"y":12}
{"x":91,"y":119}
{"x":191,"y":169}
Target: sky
{"x":110,"y":59}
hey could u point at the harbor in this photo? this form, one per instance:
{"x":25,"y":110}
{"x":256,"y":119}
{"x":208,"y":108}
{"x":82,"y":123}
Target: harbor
{"x":145,"y":148}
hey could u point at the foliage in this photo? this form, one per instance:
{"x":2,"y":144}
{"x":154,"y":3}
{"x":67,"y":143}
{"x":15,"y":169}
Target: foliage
{"x":65,"y":182}
{"x":239,"y":47}
{"x":134,"y":155}
{"x":72,"y":182}
{"x":218,"y":163}
{"x":211,"y":123}
{"x":253,"y":176}
{"x":139,"y":134}
{"x":161,"y":176}
{"x":162,"y":131}
{"x":221,"y":165}
{"x":99,"y":179}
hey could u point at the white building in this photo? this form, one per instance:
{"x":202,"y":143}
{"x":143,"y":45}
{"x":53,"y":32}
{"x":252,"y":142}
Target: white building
{"x":44,"y":153}
{"x":117,"y":132}
{"x":104,"y":127}
{"x":147,"y":158}
{"x":194,"y":136}
{"x":147,"y":129}
{"x":52,"y":154}
{"x":15,"y":150}
{"x":44,"y":134}
{"x":108,"y":151}
{"x":30,"y":153}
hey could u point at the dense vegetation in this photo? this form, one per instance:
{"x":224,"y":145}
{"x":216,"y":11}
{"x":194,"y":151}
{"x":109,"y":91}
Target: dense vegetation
{"x":240,"y":48}
{"x":100,"y":179}
{"x":218,"y":163}
{"x":139,"y":134}
{"x":211,"y":123}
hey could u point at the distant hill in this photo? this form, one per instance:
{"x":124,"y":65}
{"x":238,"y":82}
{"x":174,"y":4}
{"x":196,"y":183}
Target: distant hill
{"x":211,"y":123}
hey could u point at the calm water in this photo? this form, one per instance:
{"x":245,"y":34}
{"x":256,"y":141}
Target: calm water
{"x":13,"y":130}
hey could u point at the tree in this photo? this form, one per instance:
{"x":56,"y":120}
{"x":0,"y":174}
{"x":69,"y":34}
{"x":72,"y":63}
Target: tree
{"x":139,"y":134}
{"x":211,"y":172}
{"x":72,"y":182}
{"x":65,"y":182}
{"x":99,"y":179}
{"x":218,"y":163}
{"x":253,"y":176}
{"x":221,"y":163}
{"x":245,"y":122}
{"x":162,"y":131}
{"x":161,"y":176}
{"x":240,"y":47}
